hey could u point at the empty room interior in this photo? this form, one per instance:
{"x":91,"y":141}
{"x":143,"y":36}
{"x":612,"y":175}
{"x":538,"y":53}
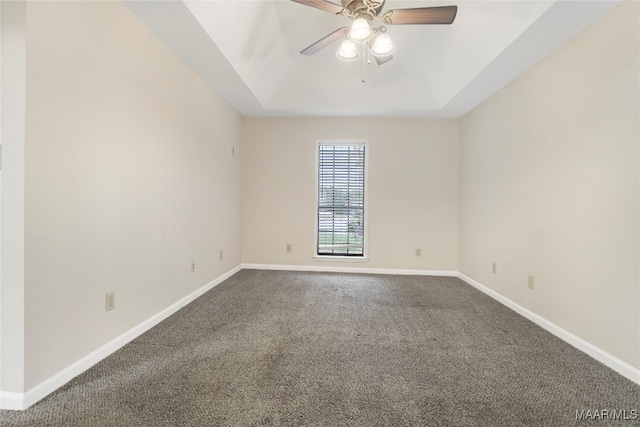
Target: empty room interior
{"x":255,"y":213}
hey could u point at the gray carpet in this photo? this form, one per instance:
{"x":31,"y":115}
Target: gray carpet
{"x":287,"y":348}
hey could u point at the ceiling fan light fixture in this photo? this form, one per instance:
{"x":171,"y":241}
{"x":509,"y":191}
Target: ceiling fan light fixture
{"x":348,"y":51}
{"x":360,"y":31}
{"x":383,"y":46}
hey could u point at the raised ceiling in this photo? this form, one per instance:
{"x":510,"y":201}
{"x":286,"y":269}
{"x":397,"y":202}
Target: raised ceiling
{"x":248,"y":51}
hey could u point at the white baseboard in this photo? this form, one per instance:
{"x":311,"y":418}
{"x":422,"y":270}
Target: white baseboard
{"x":328,"y":269}
{"x":11,"y":401}
{"x":600,"y":355}
{"x":21,"y":401}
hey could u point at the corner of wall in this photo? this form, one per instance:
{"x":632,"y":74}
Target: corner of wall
{"x":12,"y":338}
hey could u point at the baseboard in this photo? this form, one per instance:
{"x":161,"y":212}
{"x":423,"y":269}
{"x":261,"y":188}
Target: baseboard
{"x":21,"y":401}
{"x":600,"y":355}
{"x":329,"y":269}
{"x":11,"y":401}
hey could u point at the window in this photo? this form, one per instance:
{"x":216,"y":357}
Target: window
{"x":341,"y":197}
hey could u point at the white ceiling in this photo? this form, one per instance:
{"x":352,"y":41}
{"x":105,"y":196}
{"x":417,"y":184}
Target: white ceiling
{"x":248,"y":51}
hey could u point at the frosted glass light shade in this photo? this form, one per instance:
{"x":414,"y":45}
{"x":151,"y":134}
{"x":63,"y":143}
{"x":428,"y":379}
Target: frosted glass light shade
{"x":360,"y":31}
{"x":348,"y":51}
{"x":383,"y":46}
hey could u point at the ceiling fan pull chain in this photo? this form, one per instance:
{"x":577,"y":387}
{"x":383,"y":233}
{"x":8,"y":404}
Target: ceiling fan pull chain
{"x":365,"y":61}
{"x":363,"y":65}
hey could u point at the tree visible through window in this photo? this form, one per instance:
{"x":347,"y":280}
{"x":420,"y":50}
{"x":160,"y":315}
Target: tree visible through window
{"x":341,"y":199}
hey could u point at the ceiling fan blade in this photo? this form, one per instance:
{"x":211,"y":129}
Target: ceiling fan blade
{"x":383,"y":59}
{"x":322,"y":5}
{"x":421,"y":15}
{"x":325,"y":41}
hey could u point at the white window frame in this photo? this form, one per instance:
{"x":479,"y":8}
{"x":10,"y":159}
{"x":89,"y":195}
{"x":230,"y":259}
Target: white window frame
{"x":365,"y":255}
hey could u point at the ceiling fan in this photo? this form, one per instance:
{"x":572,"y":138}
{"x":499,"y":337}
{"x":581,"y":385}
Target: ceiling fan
{"x":363,"y":13}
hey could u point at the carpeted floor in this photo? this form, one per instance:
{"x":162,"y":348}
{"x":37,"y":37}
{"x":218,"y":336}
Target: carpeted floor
{"x":288,"y":348}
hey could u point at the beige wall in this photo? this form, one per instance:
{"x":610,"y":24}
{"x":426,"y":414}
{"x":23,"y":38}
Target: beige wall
{"x":127,"y":180}
{"x":550,"y":187}
{"x":412,"y":190}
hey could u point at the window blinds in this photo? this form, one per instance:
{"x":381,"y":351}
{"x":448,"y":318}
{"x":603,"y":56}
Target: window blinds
{"x":341,"y":200}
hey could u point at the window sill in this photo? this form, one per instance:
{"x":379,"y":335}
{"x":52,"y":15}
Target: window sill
{"x":340,"y":258}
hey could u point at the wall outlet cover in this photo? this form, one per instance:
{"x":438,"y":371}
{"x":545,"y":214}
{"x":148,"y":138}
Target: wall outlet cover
{"x":109,"y":301}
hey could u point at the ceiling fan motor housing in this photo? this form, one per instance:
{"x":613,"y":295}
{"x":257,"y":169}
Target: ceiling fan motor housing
{"x":362,"y":8}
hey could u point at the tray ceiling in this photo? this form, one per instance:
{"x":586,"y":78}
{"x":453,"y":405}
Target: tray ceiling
{"x":248,"y":51}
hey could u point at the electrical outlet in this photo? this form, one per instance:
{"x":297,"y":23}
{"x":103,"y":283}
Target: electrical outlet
{"x":109,"y":301}
{"x":418,"y":252}
{"x":494,"y":268}
{"x":531,"y":282}
{"x":193,"y":266}
{"x":221,"y":255}
{"x":288,"y":247}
